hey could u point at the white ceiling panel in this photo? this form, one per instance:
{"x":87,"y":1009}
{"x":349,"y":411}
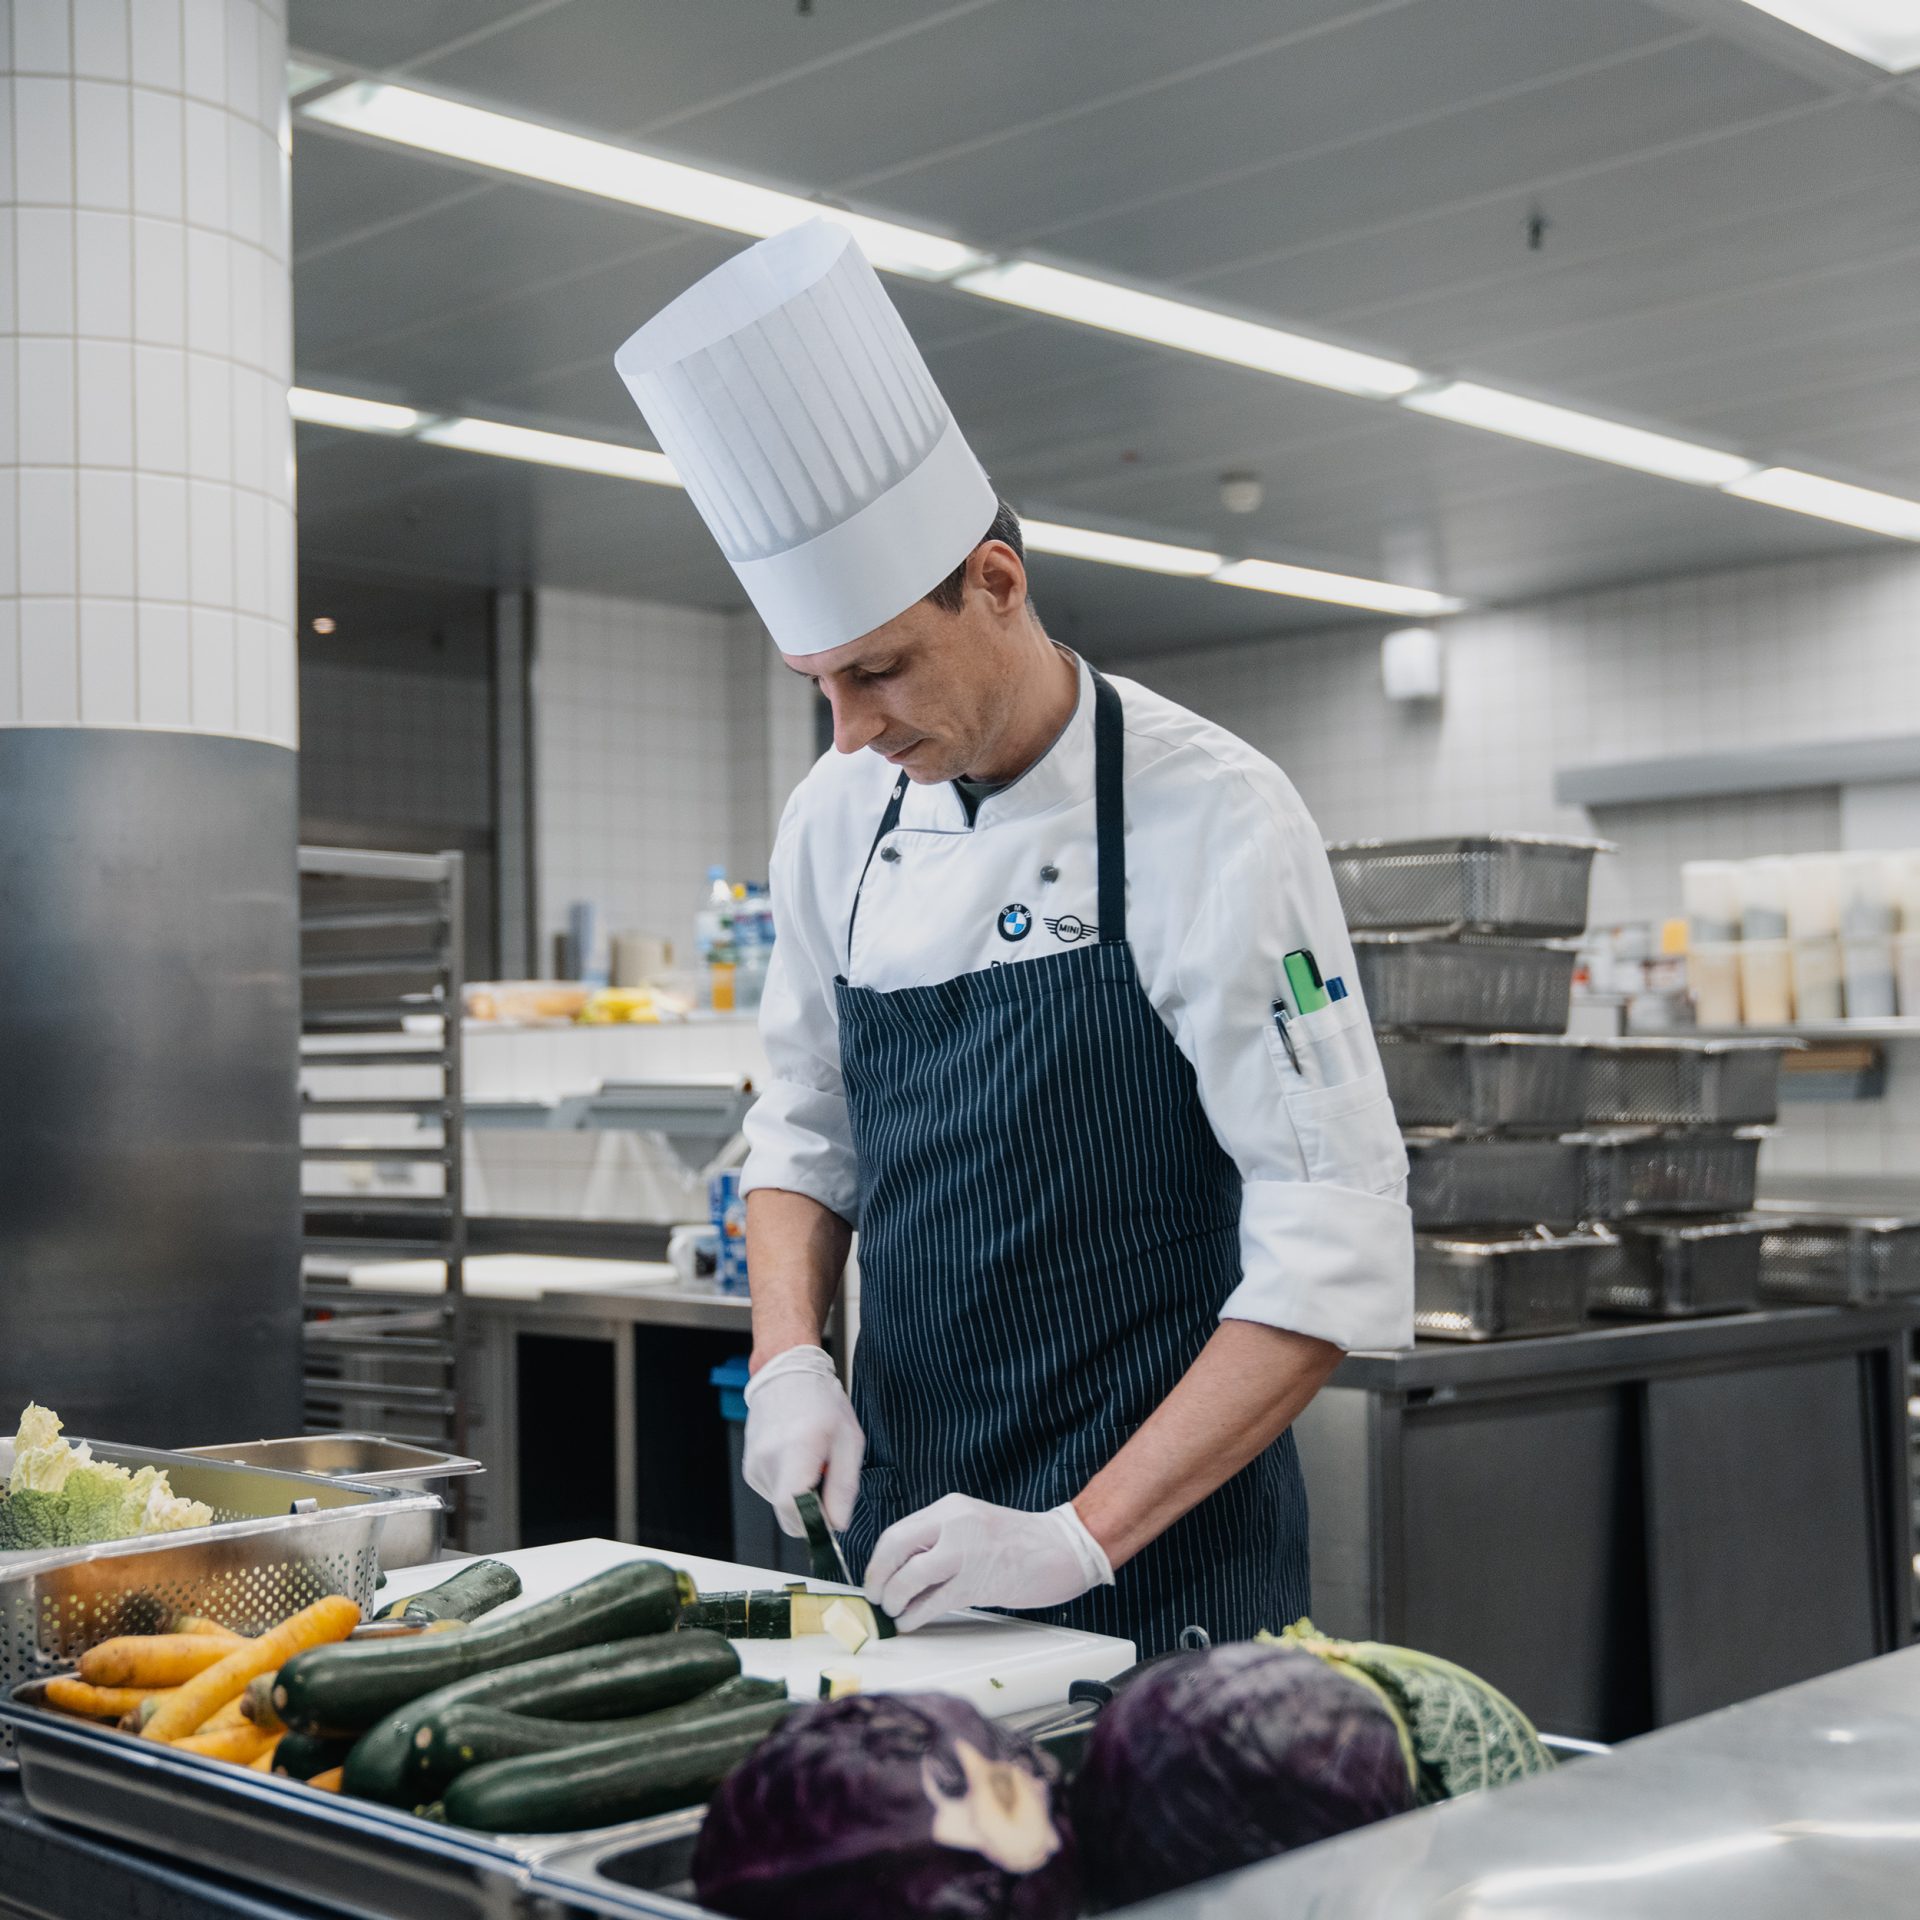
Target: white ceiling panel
{"x":1732,"y":249}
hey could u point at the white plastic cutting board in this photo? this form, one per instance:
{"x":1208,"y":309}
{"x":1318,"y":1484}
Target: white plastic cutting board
{"x":1001,"y":1665}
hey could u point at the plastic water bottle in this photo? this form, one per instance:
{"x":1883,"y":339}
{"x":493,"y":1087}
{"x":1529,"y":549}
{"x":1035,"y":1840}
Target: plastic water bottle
{"x":753,"y":937}
{"x":713,"y":929}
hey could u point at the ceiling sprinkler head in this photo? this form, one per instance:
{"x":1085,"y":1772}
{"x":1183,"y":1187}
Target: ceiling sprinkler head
{"x":1242,"y":492}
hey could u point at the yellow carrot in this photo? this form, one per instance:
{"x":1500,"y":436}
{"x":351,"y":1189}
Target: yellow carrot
{"x":242,"y":1745}
{"x":203,"y":1627}
{"x":228,"y":1716}
{"x":330,"y":1619}
{"x":97,"y":1703}
{"x":328,"y":1782}
{"x":265,"y":1762}
{"x":153,"y":1659}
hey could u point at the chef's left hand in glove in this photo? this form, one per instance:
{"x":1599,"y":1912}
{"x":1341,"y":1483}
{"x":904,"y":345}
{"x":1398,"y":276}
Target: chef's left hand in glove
{"x":962,"y":1552}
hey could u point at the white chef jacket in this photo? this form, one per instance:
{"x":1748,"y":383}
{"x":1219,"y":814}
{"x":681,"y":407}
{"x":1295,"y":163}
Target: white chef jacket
{"x":1226,"y":874}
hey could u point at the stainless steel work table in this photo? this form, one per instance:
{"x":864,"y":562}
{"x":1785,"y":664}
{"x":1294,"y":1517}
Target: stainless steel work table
{"x":1799,"y":1804}
{"x":1627,"y":1526}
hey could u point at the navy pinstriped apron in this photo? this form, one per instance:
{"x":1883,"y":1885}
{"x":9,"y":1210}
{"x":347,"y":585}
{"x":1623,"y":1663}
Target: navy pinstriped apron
{"x":1048,"y":1229}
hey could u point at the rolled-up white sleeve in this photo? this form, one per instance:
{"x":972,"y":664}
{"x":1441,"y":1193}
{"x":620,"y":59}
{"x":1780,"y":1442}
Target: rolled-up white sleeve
{"x":798,"y":1135}
{"x":1326,"y":1239}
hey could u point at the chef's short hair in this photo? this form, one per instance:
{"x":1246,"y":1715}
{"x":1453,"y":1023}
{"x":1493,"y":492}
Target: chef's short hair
{"x":951,"y":591}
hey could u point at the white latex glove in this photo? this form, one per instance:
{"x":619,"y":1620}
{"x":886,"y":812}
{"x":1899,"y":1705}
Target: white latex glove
{"x":801,"y":1428}
{"x":962,"y":1552}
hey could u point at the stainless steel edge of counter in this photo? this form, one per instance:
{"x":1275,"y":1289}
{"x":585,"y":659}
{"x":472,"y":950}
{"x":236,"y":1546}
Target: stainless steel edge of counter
{"x":1797,"y":1804}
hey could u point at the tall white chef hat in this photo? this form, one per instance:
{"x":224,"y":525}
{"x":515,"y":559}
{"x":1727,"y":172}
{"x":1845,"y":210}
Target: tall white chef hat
{"x":792,"y":401}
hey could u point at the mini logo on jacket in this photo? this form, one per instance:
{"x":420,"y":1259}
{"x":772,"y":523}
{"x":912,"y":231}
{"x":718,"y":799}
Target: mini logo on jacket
{"x":1015,"y":922}
{"x":1070,"y":928}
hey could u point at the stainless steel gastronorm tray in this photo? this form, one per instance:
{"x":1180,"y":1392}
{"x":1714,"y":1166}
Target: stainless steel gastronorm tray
{"x":1652,"y":1170}
{"x":1469,"y":985}
{"x":349,"y":1856}
{"x":1684,"y":1082}
{"x":1490,"y":882}
{"x":1669,"y":1269}
{"x":1505,"y":1286}
{"x":1810,"y":1257}
{"x":1487,"y":1082}
{"x":260,"y":1561}
{"x":1463,"y":1181}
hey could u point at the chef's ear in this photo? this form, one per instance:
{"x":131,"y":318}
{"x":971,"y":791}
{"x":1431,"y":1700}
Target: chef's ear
{"x":996,"y":569}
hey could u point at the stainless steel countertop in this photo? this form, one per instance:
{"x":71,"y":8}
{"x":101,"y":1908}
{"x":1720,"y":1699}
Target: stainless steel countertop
{"x":1625,"y":1348}
{"x":1801,"y":1804}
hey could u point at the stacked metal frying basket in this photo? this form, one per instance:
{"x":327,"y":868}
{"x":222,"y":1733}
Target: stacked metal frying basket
{"x":1551,"y":1178}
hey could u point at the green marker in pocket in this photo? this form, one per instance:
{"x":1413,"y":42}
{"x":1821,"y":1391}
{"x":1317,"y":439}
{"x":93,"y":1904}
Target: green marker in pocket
{"x":1303,"y":976}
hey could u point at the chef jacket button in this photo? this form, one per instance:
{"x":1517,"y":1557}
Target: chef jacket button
{"x":889,"y":853}
{"x":1049,"y":874}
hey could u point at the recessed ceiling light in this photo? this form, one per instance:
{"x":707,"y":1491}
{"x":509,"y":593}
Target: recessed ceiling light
{"x":1826,"y":499}
{"x":348,"y":410}
{"x":510,"y":145}
{"x":1117,"y":549}
{"x":1574,"y":432}
{"x":323,"y":623}
{"x":552,"y":449}
{"x":1885,"y":33}
{"x":1344,"y":590}
{"x":1190,"y":329}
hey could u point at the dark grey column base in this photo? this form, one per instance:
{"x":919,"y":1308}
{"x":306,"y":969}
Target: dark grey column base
{"x":149,"y":1104}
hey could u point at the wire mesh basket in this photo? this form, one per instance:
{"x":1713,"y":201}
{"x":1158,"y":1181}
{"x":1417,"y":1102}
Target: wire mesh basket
{"x":1505,"y":1287}
{"x":1533,"y":1082}
{"x":278,"y":1542}
{"x":1457,"y":1180}
{"x":1810,"y":1258}
{"x":1632,"y":1171}
{"x":1664,"y":1082}
{"x":1490,"y":882}
{"x":1470,"y":985}
{"x":1669,"y":1269}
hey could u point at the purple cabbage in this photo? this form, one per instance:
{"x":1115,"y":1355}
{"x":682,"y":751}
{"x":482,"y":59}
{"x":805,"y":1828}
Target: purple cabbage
{"x":881,"y":1806}
{"x":1210,"y":1761}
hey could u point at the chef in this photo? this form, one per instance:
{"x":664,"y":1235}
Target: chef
{"x":1126,"y":1178}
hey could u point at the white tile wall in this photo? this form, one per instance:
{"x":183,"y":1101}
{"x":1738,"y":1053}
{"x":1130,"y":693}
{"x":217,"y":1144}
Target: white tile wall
{"x":653,"y":757}
{"x":146,"y":495}
{"x":1799,"y":651}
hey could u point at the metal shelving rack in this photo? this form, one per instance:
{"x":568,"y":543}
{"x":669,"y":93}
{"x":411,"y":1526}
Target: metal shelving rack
{"x":381,"y":995}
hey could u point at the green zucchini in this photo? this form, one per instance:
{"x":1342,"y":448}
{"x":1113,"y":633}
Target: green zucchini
{"x":588,"y":1683}
{"x":474,"y":1590}
{"x":345,"y":1688}
{"x":302,"y":1755}
{"x":777,"y":1613}
{"x":473,"y":1734}
{"x":611,"y":1780}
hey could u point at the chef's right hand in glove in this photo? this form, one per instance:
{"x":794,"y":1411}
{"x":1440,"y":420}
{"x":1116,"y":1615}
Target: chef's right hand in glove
{"x":801,"y":1431}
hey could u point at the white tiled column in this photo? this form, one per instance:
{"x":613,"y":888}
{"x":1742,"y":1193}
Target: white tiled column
{"x":146,"y":453}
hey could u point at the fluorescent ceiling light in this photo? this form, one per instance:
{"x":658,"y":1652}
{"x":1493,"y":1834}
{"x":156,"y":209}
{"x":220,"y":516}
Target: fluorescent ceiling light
{"x":1191,"y":329}
{"x":1118,"y":550}
{"x":1583,"y":433}
{"x":1883,"y":32}
{"x":552,"y":449}
{"x":1309,"y":583}
{"x":346,"y":410}
{"x":1832,"y":500}
{"x":510,"y":145}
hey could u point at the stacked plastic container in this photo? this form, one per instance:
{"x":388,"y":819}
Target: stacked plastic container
{"x":1803,"y":938}
{"x":1550,"y":1177}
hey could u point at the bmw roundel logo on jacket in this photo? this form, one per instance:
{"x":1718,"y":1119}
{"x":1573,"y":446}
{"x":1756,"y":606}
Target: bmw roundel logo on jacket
{"x":1016,"y":922}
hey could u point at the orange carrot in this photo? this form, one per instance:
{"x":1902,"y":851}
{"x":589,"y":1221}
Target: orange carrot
{"x":152,"y":1659}
{"x":97,"y":1703}
{"x":243,"y":1744}
{"x":265,"y":1762}
{"x":328,"y":1782}
{"x":330,"y":1619}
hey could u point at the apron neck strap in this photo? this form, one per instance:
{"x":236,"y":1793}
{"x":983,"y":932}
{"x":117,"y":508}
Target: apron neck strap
{"x":1109,"y":814}
{"x":1109,"y":811}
